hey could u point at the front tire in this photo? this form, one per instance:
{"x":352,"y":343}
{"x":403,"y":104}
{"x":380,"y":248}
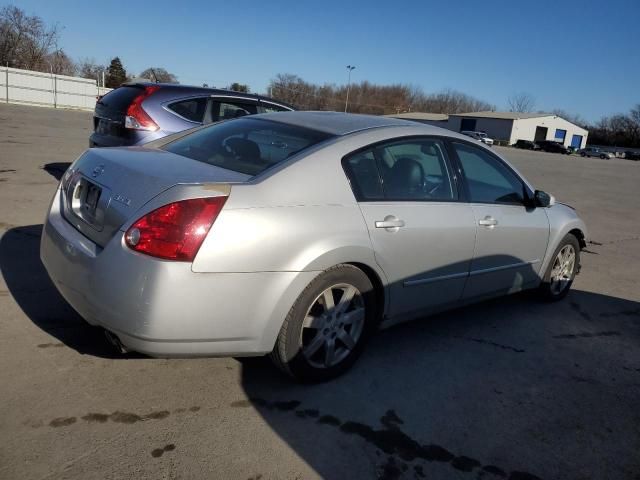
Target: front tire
{"x":562,"y":269}
{"x":327,"y":327}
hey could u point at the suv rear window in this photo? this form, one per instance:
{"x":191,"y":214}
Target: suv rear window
{"x":120,"y":98}
{"x":246,"y":145}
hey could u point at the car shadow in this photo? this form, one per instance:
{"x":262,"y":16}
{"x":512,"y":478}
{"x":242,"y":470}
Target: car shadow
{"x":30,"y":286}
{"x":495,"y":390}
{"x":56,"y":169}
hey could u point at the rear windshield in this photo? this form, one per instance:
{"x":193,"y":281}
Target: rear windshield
{"x":245,"y":145}
{"x":120,"y":98}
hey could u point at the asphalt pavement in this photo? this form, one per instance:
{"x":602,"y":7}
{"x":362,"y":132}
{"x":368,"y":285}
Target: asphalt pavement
{"x":511,"y":388}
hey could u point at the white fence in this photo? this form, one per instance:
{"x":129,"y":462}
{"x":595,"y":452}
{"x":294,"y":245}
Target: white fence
{"x":44,"y":89}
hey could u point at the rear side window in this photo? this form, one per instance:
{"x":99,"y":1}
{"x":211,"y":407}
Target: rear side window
{"x":192,"y":109}
{"x":489,"y":180}
{"x":364,"y":176}
{"x":247,"y":146}
{"x":119,"y":99}
{"x":226,"y":110}
{"x":406,"y":170}
{"x":270,"y":108}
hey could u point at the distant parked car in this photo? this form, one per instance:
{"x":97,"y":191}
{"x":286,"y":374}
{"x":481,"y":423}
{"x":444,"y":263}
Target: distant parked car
{"x":527,"y":145}
{"x":631,"y":155}
{"x":138,"y":113}
{"x":596,"y":152}
{"x":480,"y":136}
{"x":553,"y":147}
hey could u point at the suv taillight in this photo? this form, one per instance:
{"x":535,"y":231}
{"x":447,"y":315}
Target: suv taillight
{"x":136,"y":117}
{"x":175,"y":231}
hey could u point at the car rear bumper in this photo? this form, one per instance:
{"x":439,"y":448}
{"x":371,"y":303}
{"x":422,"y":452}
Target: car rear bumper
{"x":162,"y":308}
{"x":133,"y":138}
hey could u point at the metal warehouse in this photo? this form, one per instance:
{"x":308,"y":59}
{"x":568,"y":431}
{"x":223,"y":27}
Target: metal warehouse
{"x":508,"y":127}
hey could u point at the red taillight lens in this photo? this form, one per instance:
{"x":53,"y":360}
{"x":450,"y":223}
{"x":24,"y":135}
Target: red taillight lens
{"x":175,"y":231}
{"x":137,"y":118}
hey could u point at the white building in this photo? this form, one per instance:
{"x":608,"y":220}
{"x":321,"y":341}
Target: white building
{"x":508,"y":127}
{"x":512,"y":126}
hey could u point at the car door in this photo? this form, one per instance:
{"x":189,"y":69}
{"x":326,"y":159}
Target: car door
{"x":511,"y":235}
{"x":422,"y":235}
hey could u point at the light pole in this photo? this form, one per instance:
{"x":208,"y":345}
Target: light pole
{"x":346,"y":103}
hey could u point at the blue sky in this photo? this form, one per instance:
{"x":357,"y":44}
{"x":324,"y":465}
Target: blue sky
{"x":580,"y":56}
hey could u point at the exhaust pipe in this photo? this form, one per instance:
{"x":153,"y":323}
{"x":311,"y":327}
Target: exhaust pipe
{"x":115,"y":341}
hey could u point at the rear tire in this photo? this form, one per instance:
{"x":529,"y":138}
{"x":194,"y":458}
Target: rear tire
{"x":582,"y":154}
{"x":602,"y":157}
{"x":327,"y":327}
{"x":562,"y":269}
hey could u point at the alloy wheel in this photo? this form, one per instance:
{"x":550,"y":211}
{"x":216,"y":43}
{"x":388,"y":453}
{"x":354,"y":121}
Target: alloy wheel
{"x":562,"y":271}
{"x":333,"y":325}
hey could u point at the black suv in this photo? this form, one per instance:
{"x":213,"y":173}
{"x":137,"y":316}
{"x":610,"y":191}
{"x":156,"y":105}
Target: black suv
{"x":554,"y":147}
{"x":137,"y":113}
{"x":527,"y":145}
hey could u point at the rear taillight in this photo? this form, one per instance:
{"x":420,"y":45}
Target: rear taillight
{"x":175,"y":231}
{"x":137,"y":118}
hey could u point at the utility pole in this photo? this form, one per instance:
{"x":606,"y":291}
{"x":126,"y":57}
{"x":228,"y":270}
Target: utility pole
{"x":346,"y":103}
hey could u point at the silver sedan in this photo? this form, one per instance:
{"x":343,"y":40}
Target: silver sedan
{"x":297,"y":234}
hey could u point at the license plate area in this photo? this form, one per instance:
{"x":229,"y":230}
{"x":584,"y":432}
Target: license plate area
{"x":89,"y":201}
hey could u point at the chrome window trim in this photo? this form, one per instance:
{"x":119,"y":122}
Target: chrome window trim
{"x":247,"y":100}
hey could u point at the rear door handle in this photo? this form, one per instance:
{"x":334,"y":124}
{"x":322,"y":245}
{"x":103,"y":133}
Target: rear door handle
{"x":488,"y":221}
{"x":390,"y":221}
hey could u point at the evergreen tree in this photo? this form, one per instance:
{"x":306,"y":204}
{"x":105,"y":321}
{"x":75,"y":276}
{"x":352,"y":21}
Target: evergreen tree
{"x":116,"y":74}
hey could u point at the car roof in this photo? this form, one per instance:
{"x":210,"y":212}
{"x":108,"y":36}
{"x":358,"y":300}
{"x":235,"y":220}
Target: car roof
{"x":192,"y":89}
{"x":337,"y":123}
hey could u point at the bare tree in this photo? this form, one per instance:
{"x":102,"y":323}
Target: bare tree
{"x":618,"y":130}
{"x":573,"y":118}
{"x":88,"y":68}
{"x":521,"y":102}
{"x":159,"y":74}
{"x":25,"y":40}
{"x":60,"y":63}
{"x":370,"y":98}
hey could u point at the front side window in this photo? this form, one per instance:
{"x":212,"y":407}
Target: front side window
{"x":410,"y":170}
{"x":489,"y":180}
{"x":248,"y":145}
{"x":192,"y":109}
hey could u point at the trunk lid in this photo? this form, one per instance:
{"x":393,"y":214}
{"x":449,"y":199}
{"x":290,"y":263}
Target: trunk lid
{"x":108,"y":186}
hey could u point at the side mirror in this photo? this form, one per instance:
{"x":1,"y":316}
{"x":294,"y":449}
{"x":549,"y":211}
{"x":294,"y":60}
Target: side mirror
{"x":543,"y":199}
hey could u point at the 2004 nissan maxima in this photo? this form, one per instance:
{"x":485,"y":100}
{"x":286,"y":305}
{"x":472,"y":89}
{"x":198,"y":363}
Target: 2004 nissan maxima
{"x":297,"y":234}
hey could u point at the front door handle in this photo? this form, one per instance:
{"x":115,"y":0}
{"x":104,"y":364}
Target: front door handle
{"x":391,"y":222}
{"x":488,"y":221}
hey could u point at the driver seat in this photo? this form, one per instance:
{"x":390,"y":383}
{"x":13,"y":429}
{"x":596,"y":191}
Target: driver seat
{"x":406,"y":179}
